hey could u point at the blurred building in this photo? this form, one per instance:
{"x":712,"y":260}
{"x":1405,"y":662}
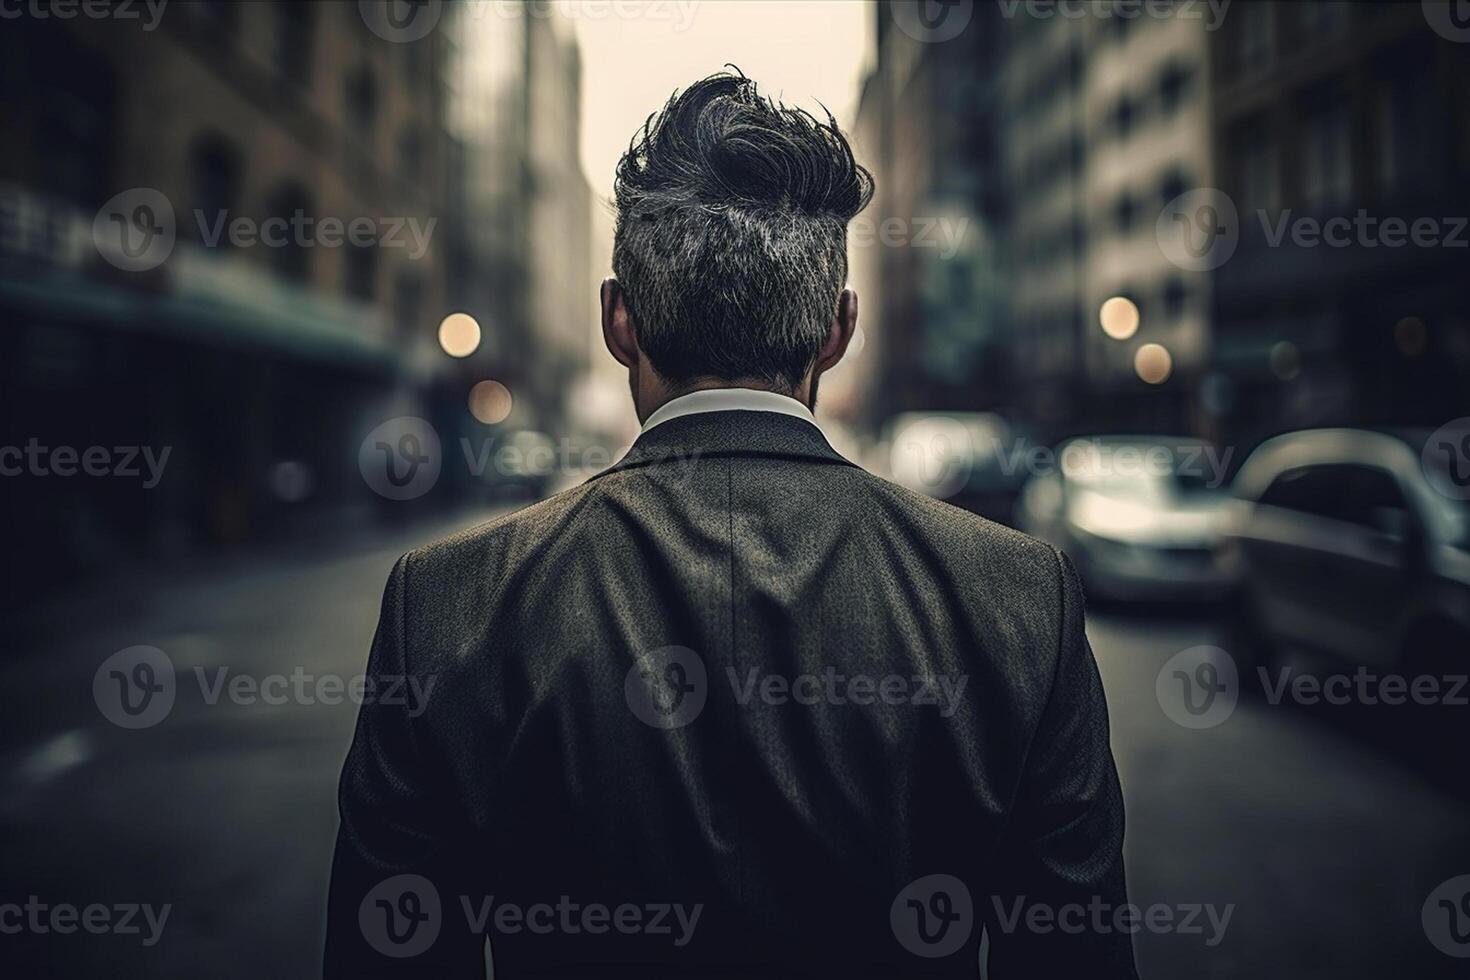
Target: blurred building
{"x":1106,"y":122}
{"x":257,"y":364}
{"x":262,"y":361}
{"x":1060,"y":137}
{"x":1336,"y":110}
{"x":1070,"y":135}
{"x":1044,"y":136}
{"x":520,"y":226}
{"x":925,"y":257}
{"x":1146,"y":141}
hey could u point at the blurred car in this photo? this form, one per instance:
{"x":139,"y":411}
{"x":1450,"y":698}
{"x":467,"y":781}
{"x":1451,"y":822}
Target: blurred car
{"x":974,"y":460}
{"x":1345,"y":546}
{"x":1138,"y":516}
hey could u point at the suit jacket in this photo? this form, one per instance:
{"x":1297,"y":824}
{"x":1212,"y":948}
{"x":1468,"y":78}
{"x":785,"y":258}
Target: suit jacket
{"x":735,"y":707}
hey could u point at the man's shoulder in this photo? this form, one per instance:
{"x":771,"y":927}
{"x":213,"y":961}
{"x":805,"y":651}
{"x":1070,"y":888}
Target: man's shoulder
{"x":982,"y":553}
{"x":993,"y":548}
{"x":499,"y":536}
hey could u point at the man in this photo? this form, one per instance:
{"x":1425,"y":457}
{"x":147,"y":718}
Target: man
{"x":734,"y":707}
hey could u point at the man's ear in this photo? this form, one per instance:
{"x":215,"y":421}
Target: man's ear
{"x":839,"y":335}
{"x":617,"y":325}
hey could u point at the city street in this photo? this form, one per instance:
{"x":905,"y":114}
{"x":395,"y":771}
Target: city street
{"x":1325,"y":845}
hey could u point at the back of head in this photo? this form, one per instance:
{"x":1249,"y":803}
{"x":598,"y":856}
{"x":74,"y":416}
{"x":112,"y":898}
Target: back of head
{"x":731,"y":242}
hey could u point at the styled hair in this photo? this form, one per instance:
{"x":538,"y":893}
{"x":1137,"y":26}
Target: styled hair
{"x":731,"y":240}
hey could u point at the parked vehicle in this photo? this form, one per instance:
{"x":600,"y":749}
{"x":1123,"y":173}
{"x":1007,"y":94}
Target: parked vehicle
{"x":974,"y":460}
{"x":1345,"y":546}
{"x":1139,"y":516}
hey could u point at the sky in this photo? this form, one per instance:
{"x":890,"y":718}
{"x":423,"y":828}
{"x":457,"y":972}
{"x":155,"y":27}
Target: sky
{"x":800,"y":51}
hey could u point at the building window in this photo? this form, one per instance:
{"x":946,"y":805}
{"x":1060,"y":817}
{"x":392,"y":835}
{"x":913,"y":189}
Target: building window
{"x":215,"y":18}
{"x":1123,"y":113}
{"x":1323,"y":20}
{"x":214,"y":166}
{"x":295,"y":27}
{"x":1257,"y":164}
{"x":74,"y":116}
{"x":408,"y":302}
{"x":1327,"y":173}
{"x":1173,"y":84}
{"x":1408,"y":144}
{"x":361,"y":93}
{"x":1255,"y":37}
{"x":362,"y":270}
{"x":1175,"y":183}
{"x":410,"y":154}
{"x":291,"y":260}
{"x":1176,"y":296}
{"x":1125,"y":212}
{"x":415,"y":62}
{"x":362,"y":103}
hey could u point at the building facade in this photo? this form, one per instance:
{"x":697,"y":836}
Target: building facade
{"x":1358,"y":115}
{"x":521,"y":223}
{"x":927,"y":256}
{"x":233,"y":234}
{"x":1119,"y":127}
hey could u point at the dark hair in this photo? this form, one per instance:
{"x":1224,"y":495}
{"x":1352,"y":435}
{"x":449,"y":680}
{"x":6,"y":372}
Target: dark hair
{"x":731,"y":241}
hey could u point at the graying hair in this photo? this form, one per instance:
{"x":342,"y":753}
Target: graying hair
{"x":731,"y":240}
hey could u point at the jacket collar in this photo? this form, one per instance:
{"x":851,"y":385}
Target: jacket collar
{"x":728,"y":400}
{"x":725,"y":434}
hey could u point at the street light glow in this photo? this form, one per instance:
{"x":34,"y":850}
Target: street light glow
{"x":490,"y":402}
{"x":459,"y":335}
{"x":1119,"y":318}
{"x":1153,"y":363}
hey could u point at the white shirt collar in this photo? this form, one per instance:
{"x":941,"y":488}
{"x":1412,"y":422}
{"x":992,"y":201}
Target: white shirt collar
{"x":729,"y":400}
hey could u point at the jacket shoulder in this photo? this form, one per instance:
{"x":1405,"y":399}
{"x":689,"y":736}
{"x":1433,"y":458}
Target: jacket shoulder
{"x":1000,"y":549}
{"x":462,"y":571}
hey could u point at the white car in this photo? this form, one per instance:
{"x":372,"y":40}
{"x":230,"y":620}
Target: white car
{"x":1138,"y":515}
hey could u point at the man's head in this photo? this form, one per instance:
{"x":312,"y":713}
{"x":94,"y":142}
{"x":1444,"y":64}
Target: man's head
{"x":731,"y":246}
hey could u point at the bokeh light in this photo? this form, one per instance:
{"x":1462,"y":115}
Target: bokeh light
{"x":1119,"y":318}
{"x":459,"y":335}
{"x":1153,"y":363}
{"x":490,"y":402}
